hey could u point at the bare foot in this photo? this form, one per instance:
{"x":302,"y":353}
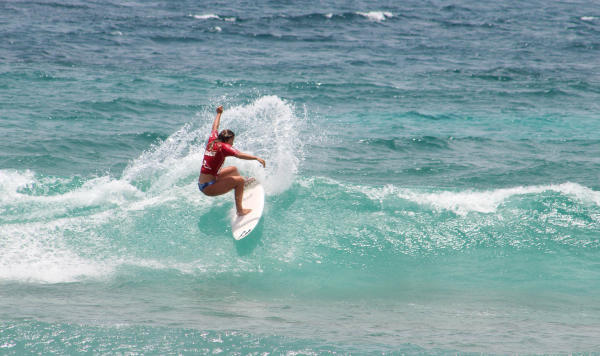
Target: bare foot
{"x":243,"y":212}
{"x":249,"y":181}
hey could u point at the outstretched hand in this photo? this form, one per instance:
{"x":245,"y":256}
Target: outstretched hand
{"x":217,"y":121}
{"x":262,"y":161}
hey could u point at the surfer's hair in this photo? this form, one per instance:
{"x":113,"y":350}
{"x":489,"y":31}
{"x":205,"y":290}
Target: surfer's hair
{"x":225,"y":135}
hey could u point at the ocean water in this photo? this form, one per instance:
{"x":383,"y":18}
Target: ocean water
{"x":432,"y":177}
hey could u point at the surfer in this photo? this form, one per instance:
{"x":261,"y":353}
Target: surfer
{"x":215,"y":181}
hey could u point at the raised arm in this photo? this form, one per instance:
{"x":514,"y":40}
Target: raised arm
{"x":250,"y":157}
{"x":215,"y":126}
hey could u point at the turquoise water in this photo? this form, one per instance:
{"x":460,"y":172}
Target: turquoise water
{"x":432,"y":177}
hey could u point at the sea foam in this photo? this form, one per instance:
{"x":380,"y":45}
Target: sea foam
{"x":377,"y":16}
{"x":213,"y":17}
{"x":269,"y":128}
{"x":206,"y":17}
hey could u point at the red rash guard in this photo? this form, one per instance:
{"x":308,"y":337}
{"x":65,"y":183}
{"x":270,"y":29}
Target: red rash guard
{"x":215,"y":156}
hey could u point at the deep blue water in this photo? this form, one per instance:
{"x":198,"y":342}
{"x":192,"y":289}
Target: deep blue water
{"x":432,"y":177}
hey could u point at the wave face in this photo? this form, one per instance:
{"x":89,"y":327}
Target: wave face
{"x":432,"y":177}
{"x":91,"y":230}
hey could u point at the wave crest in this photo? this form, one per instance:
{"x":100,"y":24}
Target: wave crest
{"x":469,"y":201}
{"x":377,"y":16}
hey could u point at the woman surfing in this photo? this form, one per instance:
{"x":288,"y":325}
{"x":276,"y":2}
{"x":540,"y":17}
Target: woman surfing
{"x":215,"y":181}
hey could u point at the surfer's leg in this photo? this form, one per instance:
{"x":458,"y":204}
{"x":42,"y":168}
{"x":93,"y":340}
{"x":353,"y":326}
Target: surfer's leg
{"x":224,"y":185}
{"x":239,"y":194}
{"x":228,"y":171}
{"x":232,"y":171}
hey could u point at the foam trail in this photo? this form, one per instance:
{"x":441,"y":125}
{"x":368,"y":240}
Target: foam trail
{"x":36,"y":252}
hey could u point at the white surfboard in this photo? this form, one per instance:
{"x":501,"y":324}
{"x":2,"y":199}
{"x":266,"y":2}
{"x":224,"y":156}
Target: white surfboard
{"x":254,"y":198}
